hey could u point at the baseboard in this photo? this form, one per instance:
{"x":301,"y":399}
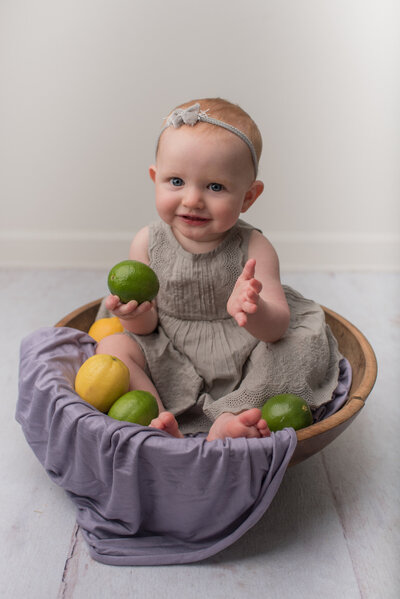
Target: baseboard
{"x":337,"y":251}
{"x":63,"y":249}
{"x":297,"y":251}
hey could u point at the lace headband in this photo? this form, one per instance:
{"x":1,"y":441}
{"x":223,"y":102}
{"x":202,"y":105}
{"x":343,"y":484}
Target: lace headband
{"x":193,"y":114}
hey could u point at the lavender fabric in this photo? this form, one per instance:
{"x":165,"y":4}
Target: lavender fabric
{"x":340,"y":394}
{"x":142,"y":497}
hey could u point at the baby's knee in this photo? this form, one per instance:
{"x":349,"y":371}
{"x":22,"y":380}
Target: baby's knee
{"x":122,"y":346}
{"x":110,"y":343}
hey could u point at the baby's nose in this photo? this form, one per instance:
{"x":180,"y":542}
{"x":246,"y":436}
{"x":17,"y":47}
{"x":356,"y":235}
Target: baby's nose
{"x":192,"y":198}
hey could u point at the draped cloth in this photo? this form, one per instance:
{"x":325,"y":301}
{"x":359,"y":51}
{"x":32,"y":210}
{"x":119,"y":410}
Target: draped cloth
{"x":141,"y":496}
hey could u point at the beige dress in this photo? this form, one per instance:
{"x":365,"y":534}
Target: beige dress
{"x":201,"y":362}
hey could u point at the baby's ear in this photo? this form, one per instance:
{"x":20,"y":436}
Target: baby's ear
{"x":255,"y":190}
{"x":152,"y":172}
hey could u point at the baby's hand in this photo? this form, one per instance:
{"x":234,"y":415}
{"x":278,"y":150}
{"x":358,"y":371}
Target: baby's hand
{"x":245,"y":295}
{"x":126,"y":311}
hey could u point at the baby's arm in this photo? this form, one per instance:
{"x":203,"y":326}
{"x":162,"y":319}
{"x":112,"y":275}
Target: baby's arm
{"x":258,"y":302}
{"x":140,"y":319}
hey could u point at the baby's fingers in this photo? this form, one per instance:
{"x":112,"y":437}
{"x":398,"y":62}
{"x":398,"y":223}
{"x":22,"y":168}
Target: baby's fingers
{"x":250,"y":307}
{"x":241,"y":319}
{"x":132,"y":309}
{"x":252,"y":296}
{"x":144,"y":307}
{"x":256,"y":286}
{"x":249,"y":269}
{"x":127,"y":309}
{"x":112,"y":302}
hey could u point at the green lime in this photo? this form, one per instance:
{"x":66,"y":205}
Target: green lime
{"x":133,"y":280}
{"x":286,"y":410}
{"x":139,"y":407}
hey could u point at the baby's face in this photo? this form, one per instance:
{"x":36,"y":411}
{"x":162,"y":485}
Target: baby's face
{"x":202,"y":180}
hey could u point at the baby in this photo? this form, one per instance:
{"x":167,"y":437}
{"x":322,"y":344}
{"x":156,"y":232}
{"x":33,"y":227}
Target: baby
{"x":221,"y":300}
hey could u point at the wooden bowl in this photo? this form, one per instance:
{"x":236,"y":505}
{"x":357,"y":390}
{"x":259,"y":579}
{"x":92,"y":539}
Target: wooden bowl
{"x":352,"y":344}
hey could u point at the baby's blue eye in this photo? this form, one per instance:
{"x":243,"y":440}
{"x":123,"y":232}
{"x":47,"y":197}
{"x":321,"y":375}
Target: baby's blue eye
{"x":216,"y":187}
{"x":176,"y":181}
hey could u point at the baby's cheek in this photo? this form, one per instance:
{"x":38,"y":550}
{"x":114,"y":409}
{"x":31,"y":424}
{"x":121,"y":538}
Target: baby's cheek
{"x":165,"y":207}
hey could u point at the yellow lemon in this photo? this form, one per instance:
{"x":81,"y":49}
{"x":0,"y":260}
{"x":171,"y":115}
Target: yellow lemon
{"x":133,"y":280}
{"x":286,"y":410}
{"x":136,"y":406}
{"x":101,"y":380}
{"x":105,"y":326}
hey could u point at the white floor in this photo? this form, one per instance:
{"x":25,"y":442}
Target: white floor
{"x":332,"y":530}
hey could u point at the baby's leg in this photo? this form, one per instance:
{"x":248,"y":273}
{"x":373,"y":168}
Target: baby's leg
{"x":126,"y":349}
{"x":246,"y":424}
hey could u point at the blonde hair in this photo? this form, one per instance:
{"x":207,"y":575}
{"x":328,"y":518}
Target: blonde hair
{"x":232,"y":114}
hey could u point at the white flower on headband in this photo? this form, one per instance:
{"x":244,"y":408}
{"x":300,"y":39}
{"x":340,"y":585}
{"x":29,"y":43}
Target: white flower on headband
{"x":185,"y":116}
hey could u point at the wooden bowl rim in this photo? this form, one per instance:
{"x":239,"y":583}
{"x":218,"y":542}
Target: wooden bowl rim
{"x":68,"y":317}
{"x":358,"y":396}
{"x":354,"y":403}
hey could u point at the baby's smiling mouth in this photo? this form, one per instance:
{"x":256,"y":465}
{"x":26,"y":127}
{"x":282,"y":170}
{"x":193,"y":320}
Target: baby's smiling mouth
{"x":193,"y":218}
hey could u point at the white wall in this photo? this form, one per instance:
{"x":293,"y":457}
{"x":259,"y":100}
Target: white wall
{"x":84,"y":85}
